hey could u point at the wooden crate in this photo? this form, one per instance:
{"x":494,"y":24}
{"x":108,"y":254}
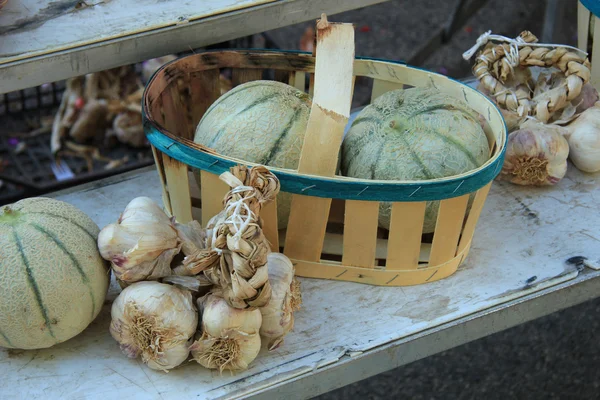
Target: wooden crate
{"x":587,"y":20}
{"x":339,"y":237}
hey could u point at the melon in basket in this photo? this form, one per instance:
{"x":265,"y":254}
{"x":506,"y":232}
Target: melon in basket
{"x":414,"y":134}
{"x":263,"y":122}
{"x":52,"y":278}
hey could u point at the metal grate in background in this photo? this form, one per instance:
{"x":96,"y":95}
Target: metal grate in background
{"x":27,"y":167}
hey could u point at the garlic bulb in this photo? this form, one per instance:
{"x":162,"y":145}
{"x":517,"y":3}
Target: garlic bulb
{"x":278,"y":315}
{"x":536,"y":154}
{"x":230,"y":336}
{"x":155,"y":321}
{"x":584,"y":140}
{"x":141,"y":244}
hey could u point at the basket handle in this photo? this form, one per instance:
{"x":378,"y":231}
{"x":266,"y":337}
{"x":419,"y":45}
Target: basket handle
{"x":329,"y":115}
{"x":332,"y":98}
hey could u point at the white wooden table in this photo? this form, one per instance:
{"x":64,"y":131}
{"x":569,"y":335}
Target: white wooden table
{"x":515,"y":272}
{"x":43,"y":41}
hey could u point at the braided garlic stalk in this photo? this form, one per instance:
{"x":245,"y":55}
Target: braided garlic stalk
{"x":498,"y":63}
{"x":235,"y":256}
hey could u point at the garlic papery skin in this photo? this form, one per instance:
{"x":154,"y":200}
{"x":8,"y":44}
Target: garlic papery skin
{"x":142,"y":243}
{"x":584,"y":140}
{"x":155,"y":321}
{"x":230,"y":337}
{"x":536,"y":155}
{"x":278,"y":315}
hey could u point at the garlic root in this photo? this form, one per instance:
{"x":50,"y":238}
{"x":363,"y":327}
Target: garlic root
{"x":536,"y":154}
{"x":155,"y":321}
{"x":230,"y":336}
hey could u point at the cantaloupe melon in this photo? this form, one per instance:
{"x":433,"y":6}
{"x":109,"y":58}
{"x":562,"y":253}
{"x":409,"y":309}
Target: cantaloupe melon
{"x":414,"y":134}
{"x":52,"y":278}
{"x":263,"y":122}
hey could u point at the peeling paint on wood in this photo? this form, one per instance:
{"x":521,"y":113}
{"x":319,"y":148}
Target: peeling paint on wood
{"x":34,"y":27}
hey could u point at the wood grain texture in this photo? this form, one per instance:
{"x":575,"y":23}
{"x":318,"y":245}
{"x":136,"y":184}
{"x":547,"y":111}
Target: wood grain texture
{"x":243,"y":75}
{"x":447,"y":229}
{"x":328,"y":117}
{"x":583,"y":26}
{"x":360,"y":233}
{"x":204,"y":90}
{"x":406,"y":226}
{"x":178,"y":185}
{"x":175,"y":113}
{"x":212,"y":190}
{"x":473,"y":217}
{"x":269,"y":216}
{"x":595,"y":78}
{"x":163,"y":180}
{"x":335,"y":271}
{"x":380,"y":87}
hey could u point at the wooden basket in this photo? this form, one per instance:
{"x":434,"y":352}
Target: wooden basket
{"x":588,"y":12}
{"x":339,"y":239}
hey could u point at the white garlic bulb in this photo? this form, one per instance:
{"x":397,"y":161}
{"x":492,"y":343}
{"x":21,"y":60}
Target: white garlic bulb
{"x":155,"y":321}
{"x":536,"y":155}
{"x":584,"y":140}
{"x":142,"y":243}
{"x":278,"y":315}
{"x":230,"y":337}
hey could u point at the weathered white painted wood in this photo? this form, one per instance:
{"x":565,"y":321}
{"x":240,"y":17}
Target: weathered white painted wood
{"x":522,"y":233}
{"x":33,"y":27}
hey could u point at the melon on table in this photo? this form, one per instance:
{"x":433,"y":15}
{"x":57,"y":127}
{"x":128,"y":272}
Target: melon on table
{"x":414,"y":134}
{"x":52,"y":278}
{"x":262,"y":122}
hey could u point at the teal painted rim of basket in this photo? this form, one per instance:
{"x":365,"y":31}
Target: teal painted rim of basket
{"x":333,"y":187}
{"x":593,"y":6}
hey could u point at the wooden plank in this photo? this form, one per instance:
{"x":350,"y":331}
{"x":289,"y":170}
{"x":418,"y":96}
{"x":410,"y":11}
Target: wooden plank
{"x":176,"y":174}
{"x":334,"y":245}
{"x":328,"y":117}
{"x":406,"y":227}
{"x":372,"y":276}
{"x":447,"y":229}
{"x":360,"y":233}
{"x":380,"y":87}
{"x":243,"y":75}
{"x":163,"y":180}
{"x":204,"y":90}
{"x":595,"y":79}
{"x":137,"y":47}
{"x":473,"y":217}
{"x":298,"y":80}
{"x":583,"y":26}
{"x":63,"y":24}
{"x":174,"y":112}
{"x":212,"y":190}
{"x":269,"y":216}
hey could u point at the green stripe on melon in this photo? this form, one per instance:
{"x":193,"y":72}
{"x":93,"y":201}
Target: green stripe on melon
{"x":414,"y":134}
{"x":263,"y":122}
{"x":53,"y":279}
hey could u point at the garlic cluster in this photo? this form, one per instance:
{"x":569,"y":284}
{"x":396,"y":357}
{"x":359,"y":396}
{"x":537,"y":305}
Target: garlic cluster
{"x":278,"y":315}
{"x":230,"y":337}
{"x":155,"y":321}
{"x":142,"y":243}
{"x":536,"y":154}
{"x":583,"y":136}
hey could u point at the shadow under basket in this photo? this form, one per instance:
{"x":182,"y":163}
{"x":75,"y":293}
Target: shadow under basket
{"x":338,"y":237}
